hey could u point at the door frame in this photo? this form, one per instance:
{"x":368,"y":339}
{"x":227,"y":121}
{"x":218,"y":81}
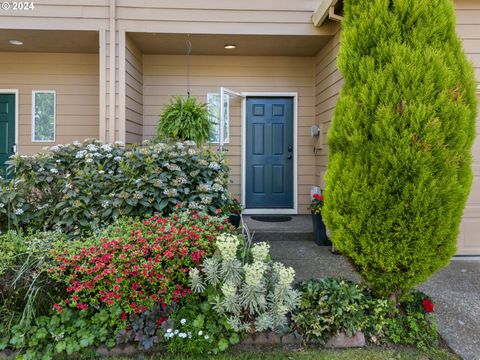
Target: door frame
{"x":294,"y":96}
{"x":14,"y":92}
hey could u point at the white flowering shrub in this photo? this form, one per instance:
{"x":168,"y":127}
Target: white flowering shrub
{"x":83,"y":187}
{"x":244,"y":287}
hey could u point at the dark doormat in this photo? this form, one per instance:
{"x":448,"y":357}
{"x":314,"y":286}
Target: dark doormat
{"x":272,"y":218}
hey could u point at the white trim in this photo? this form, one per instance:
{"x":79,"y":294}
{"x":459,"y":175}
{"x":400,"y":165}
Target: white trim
{"x":34,"y":92}
{"x":15,"y":92}
{"x":293,"y":95}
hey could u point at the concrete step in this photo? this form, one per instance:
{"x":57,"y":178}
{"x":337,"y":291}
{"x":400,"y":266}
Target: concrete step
{"x":282,"y":236}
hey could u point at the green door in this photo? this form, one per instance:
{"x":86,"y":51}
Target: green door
{"x":7,"y":129}
{"x":269,"y":153}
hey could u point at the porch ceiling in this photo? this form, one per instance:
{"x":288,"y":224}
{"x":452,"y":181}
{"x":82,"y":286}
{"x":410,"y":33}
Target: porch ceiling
{"x":252,"y":45}
{"x":50,"y":41}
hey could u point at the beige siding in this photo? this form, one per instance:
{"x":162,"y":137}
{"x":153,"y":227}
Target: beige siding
{"x":74,"y":77}
{"x":134,"y":93}
{"x":468,"y":20}
{"x":165,"y":76}
{"x":328,"y":82}
{"x":273,"y":17}
{"x":58,"y":14}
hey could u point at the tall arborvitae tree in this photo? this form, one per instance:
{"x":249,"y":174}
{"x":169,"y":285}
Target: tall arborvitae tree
{"x":400,"y":143}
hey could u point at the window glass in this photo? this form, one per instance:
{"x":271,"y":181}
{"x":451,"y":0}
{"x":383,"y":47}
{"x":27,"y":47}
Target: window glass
{"x":213,"y":101}
{"x":43,"y":112}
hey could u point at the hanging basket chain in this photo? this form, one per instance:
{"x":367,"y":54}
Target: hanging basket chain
{"x":188,"y":51}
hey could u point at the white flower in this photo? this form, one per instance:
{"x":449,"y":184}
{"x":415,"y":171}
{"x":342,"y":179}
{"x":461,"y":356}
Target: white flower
{"x":228,"y":245}
{"x":76,"y":143}
{"x":190,"y":143}
{"x":205,"y":199}
{"x":54,"y":171}
{"x":69,"y":186}
{"x":80,"y":154}
{"x":106,"y":147}
{"x":176,"y":331}
{"x":91,"y":148}
{"x":206,"y":337}
{"x":285,"y":275}
{"x":214,"y":166}
{"x":109,"y":156}
{"x":183,"y":321}
{"x":260,"y":251}
{"x":169,"y":331}
{"x":254,"y":273}
{"x":229,"y":290}
{"x":170,"y":192}
{"x":119,"y":143}
{"x":200,"y":333}
{"x":105,"y":204}
{"x":182,"y":335}
{"x":58,"y":161}
{"x":41,"y":169}
{"x":2,"y":205}
{"x":117,"y":158}
{"x":204,"y":188}
{"x":55,"y":148}
{"x":18,"y":212}
{"x":189,"y":335}
{"x":191,"y":152}
{"x":88,"y":161}
{"x":101,"y":172}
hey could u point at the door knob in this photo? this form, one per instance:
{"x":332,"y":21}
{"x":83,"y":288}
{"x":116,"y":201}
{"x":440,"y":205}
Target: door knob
{"x":289,"y":157}
{"x":14,"y":148}
{"x":290,"y":148}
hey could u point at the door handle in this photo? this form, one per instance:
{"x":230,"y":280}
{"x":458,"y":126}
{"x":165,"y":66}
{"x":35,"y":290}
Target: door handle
{"x":290,"y":148}
{"x":14,"y":148}
{"x":289,"y":157}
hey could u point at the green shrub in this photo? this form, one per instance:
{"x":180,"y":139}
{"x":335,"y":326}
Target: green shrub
{"x":184,"y":119}
{"x":417,"y":326}
{"x":247,"y":291}
{"x":26,"y":290}
{"x":112,"y":286}
{"x":400,"y":143}
{"x":136,"y":264}
{"x":330,"y":306}
{"x":82,"y":188}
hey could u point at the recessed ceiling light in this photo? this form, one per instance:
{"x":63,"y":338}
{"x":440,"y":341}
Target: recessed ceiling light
{"x":16,"y":42}
{"x":230,"y":46}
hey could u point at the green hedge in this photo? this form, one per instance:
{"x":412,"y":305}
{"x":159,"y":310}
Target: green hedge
{"x":81,"y":188}
{"x":400,"y":144}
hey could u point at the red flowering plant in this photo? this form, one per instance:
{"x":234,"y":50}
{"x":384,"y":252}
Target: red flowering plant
{"x":137,"y":264}
{"x":317,"y":204}
{"x":428,"y":305}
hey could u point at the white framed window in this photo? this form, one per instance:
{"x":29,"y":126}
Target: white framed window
{"x":43,"y":115}
{"x":213,"y":104}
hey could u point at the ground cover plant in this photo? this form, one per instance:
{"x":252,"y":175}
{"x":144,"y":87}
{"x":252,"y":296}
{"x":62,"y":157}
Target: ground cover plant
{"x":400,"y":144}
{"x":112,"y":282}
{"x":80,"y":189}
{"x":331,"y":306}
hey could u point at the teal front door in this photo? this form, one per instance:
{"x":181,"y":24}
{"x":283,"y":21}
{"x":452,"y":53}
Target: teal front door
{"x":7,"y":129}
{"x":269,"y":153}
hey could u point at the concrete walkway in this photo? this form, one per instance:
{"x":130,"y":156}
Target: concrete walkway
{"x":455,"y":289}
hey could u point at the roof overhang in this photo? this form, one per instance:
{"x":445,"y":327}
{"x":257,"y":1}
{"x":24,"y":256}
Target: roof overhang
{"x":326,"y":9}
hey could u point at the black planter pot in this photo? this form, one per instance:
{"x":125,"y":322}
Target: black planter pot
{"x":319,"y":231}
{"x":234,"y":219}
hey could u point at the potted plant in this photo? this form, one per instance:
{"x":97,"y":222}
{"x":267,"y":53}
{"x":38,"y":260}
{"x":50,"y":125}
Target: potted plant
{"x":234,"y":210}
{"x":319,"y":230}
{"x":184,"y":119}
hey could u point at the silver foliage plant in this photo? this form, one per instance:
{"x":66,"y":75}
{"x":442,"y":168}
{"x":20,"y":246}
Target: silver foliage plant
{"x":252,"y":292}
